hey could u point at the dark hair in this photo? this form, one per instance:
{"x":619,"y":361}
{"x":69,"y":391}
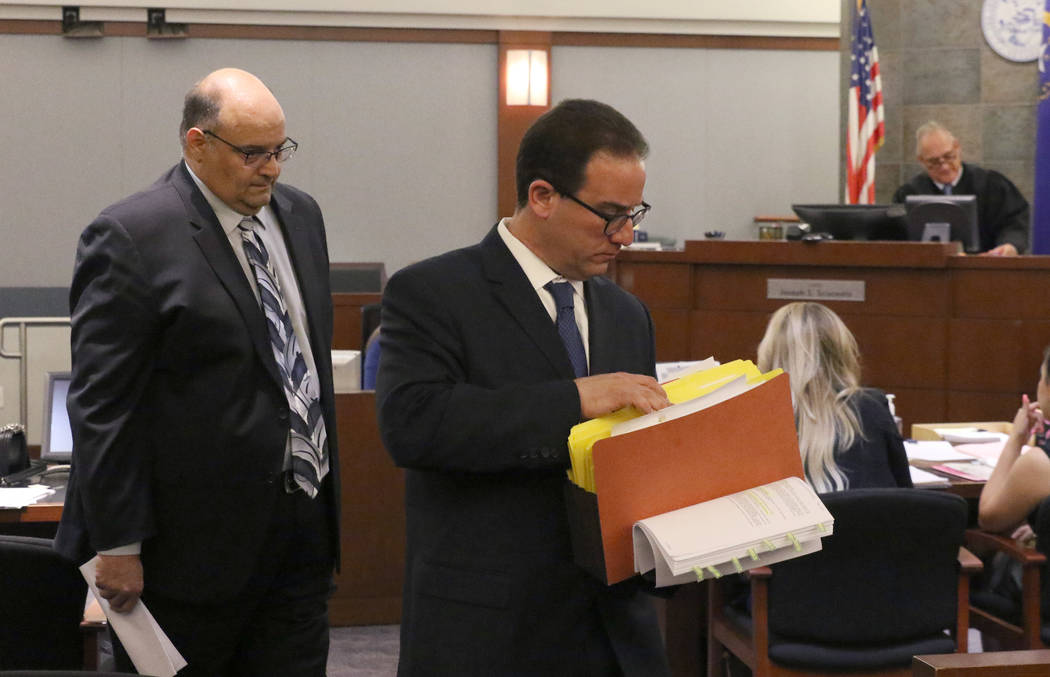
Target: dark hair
{"x":199,"y":110}
{"x":558,"y":146}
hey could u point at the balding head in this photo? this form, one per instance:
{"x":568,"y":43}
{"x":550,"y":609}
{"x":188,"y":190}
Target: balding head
{"x":228,"y":113}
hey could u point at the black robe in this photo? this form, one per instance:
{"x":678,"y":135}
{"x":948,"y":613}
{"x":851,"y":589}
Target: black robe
{"x":1002,"y":212}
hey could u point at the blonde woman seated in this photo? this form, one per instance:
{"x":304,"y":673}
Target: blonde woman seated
{"x":846,"y":433}
{"x":1019,"y":482}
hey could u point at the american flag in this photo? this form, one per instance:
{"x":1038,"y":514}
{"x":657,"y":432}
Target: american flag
{"x":866,"y":129}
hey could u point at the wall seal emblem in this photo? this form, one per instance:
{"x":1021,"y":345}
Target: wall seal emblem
{"x":1013,"y":28}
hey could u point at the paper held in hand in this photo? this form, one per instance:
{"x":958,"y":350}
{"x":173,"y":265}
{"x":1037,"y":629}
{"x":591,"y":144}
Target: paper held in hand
{"x":756,"y":527}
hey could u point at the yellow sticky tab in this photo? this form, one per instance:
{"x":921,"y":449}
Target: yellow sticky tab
{"x":794,"y":542}
{"x":699,"y":574}
{"x":821,"y":528}
{"x":769,"y":545}
{"x":736,"y":565}
{"x":714,"y":572}
{"x":753,"y":553}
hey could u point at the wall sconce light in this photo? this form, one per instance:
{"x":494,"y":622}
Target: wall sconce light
{"x":527,"y":77}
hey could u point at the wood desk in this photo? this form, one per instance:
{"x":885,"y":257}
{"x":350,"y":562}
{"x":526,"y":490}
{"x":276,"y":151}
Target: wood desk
{"x":995,"y":664}
{"x":36,"y":513}
{"x":956,"y":338}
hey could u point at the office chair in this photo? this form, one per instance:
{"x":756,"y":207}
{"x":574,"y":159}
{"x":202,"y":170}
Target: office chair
{"x":42,"y":604}
{"x":1016,"y":624}
{"x":886,"y":585}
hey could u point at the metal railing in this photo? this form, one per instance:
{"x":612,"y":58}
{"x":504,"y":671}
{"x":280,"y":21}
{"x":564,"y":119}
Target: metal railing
{"x":22,"y":324}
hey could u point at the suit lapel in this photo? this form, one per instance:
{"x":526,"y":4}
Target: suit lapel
{"x":597,"y":321}
{"x":511,"y":289}
{"x":215,"y":247}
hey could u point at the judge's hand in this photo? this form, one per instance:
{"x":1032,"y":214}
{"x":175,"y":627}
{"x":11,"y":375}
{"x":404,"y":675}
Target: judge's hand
{"x":1002,"y":250}
{"x":604,"y":393}
{"x":119,"y":580}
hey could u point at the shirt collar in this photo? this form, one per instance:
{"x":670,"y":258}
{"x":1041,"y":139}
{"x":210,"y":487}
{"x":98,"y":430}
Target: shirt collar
{"x":228,"y":218}
{"x":538,"y":272}
{"x":958,"y":177}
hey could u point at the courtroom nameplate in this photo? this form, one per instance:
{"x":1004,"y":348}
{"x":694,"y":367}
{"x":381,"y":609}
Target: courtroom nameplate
{"x":815,"y":290}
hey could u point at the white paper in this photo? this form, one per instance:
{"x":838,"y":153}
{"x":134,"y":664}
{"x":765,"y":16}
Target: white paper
{"x":970,"y":435}
{"x":924,"y":478}
{"x":767,"y":520}
{"x":148,"y":647}
{"x":668,"y":371}
{"x":20,"y":497}
{"x":734,"y":386}
{"x":933,"y":450}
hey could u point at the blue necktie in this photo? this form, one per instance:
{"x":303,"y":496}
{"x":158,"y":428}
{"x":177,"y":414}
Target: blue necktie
{"x":947,"y":189}
{"x":567,"y":329}
{"x":308,"y":436}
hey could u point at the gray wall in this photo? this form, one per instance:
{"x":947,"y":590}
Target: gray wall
{"x":936,"y":65}
{"x":397,"y":140}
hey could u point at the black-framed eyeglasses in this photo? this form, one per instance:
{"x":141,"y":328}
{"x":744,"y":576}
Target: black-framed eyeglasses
{"x":614,"y":223}
{"x":257,"y":158}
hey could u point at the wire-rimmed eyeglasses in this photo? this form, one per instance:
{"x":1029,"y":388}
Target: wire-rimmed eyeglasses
{"x":257,"y":158}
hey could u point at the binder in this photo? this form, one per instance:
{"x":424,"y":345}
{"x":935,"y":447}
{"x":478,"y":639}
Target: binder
{"x":744,"y":442}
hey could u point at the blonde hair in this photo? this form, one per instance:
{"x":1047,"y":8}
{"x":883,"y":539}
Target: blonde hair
{"x":820,"y":355}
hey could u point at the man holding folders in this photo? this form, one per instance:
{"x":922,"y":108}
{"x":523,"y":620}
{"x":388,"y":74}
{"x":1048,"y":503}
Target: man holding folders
{"x":490,"y":354}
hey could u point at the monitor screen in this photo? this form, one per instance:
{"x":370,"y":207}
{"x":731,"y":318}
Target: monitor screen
{"x":930,"y":216}
{"x":855,"y":222}
{"x":56,"y":443}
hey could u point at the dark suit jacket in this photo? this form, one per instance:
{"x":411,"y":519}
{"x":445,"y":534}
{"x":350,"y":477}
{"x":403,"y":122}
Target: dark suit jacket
{"x":476,"y":399}
{"x":1002,"y":212}
{"x":178,"y":415}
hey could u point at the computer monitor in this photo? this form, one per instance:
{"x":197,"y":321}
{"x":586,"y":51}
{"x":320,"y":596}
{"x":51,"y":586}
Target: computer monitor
{"x":939,"y":217}
{"x":56,"y":442}
{"x":855,"y":222}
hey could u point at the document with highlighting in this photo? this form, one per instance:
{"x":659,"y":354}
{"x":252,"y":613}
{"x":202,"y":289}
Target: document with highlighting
{"x":148,"y":647}
{"x":760,"y":526}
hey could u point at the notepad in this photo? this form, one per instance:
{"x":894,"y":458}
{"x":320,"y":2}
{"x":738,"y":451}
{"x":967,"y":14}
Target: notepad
{"x":731,"y":534}
{"x":933,"y":450}
{"x":924,"y":478}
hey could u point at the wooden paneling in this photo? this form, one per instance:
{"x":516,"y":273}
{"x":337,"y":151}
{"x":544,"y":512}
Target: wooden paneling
{"x":368,"y":587}
{"x":997,"y":293}
{"x":956,"y":338}
{"x":347,"y":319}
{"x":726,"y":335}
{"x":886,"y":292}
{"x":663,"y":285}
{"x":981,"y":406}
{"x":671,"y":330}
{"x":902,"y":351}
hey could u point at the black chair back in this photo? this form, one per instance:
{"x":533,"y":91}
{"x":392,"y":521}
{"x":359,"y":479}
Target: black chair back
{"x":1040,"y":524}
{"x":41,"y":604}
{"x":900,"y":545}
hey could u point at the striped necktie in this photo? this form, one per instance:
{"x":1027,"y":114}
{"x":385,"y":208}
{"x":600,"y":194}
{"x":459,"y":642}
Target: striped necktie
{"x":567,"y":328}
{"x":307,"y":433}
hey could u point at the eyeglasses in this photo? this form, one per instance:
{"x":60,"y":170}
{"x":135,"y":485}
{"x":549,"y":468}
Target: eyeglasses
{"x":945,"y":159}
{"x":257,"y":158}
{"x":613,"y":222}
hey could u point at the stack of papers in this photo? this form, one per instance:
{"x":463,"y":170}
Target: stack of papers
{"x":731,"y":534}
{"x":20,"y":497}
{"x":970,"y":435}
{"x":924,"y":478}
{"x":929,"y":450}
